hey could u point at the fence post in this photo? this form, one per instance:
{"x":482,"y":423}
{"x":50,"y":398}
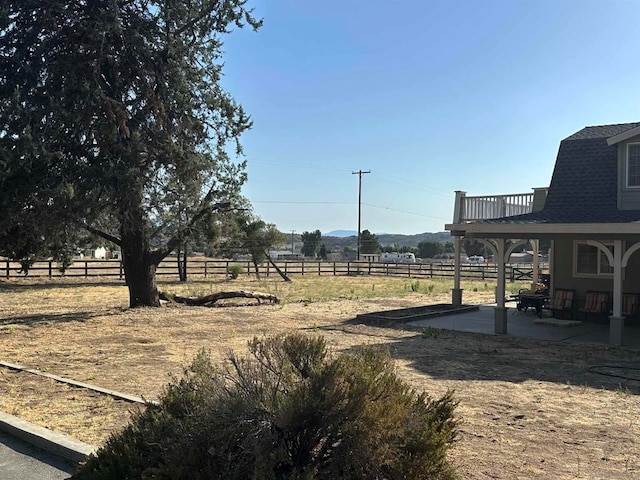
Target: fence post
{"x":205,"y":268}
{"x":334,"y":269}
{"x":86,"y":269}
{"x":302,"y":267}
{"x":50,"y":268}
{"x":7,"y":268}
{"x":285,"y":267}
{"x":348,"y":268}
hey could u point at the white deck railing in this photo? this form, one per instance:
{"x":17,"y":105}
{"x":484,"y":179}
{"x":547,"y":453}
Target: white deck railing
{"x":471,"y":209}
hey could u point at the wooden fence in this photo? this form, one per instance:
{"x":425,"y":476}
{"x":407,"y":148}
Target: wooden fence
{"x":220,"y":268}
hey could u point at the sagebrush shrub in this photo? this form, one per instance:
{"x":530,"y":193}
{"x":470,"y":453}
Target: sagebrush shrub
{"x":234,"y":271}
{"x":289,"y":410}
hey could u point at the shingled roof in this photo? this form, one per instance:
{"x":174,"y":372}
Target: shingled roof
{"x":584,"y":184}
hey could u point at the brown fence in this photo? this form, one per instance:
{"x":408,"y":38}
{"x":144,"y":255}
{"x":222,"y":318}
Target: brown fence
{"x":220,"y":268}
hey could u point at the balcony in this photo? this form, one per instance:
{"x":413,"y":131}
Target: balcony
{"x":472,"y":209}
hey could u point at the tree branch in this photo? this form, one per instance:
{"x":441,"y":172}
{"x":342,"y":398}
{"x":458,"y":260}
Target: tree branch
{"x":104,"y":235}
{"x":184,"y":232}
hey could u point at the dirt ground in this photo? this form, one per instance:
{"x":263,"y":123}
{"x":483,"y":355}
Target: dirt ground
{"x":529,"y":409}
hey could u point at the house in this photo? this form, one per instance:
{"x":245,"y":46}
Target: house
{"x":590,"y":213}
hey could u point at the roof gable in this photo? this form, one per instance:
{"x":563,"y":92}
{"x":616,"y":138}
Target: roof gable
{"x":626,"y":135}
{"x":584,"y":184}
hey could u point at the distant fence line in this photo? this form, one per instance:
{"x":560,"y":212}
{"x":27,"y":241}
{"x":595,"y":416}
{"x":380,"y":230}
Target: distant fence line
{"x":220,"y":268}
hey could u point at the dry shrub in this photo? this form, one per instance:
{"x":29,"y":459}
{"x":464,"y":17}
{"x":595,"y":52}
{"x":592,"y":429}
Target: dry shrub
{"x":289,"y":410}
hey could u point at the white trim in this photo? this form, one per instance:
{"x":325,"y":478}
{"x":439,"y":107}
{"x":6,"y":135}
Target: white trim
{"x":630,"y":251}
{"x":626,"y":167}
{"x":621,"y":137}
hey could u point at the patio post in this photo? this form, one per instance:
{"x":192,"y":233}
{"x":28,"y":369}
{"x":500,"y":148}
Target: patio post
{"x":500,"y":310}
{"x":616,"y":321}
{"x":535,"y":247}
{"x":456,"y":292}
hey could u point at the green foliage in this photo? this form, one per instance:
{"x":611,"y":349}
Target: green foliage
{"x":369,"y":242}
{"x":474,"y":247}
{"x":430,"y":332}
{"x":251,"y":234}
{"x":310,"y":243}
{"x":114,"y":121}
{"x":290,"y":410}
{"x":429,"y":249}
{"x":322,"y":253}
{"x":235,"y":270}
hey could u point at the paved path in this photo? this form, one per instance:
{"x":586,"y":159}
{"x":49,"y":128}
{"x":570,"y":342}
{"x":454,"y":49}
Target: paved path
{"x":21,"y":461}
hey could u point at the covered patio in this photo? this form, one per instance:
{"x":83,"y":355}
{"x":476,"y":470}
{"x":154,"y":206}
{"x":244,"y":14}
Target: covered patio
{"x":527,"y":325}
{"x":617,"y":244}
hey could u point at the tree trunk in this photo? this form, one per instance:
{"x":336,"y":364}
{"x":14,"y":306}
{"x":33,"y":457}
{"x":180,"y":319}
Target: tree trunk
{"x":139,"y":268}
{"x":183,"y":271}
{"x":140,"y":276}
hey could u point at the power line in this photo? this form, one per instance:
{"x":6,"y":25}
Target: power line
{"x":298,"y":165}
{"x":405,"y":211}
{"x":414,"y":185}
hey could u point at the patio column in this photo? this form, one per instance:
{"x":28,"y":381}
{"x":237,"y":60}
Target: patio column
{"x":500,"y":310}
{"x":616,"y":321}
{"x":456,"y":293}
{"x":535,"y":247}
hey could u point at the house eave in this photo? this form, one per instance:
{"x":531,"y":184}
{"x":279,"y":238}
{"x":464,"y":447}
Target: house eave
{"x":539,"y":230}
{"x":621,"y":137}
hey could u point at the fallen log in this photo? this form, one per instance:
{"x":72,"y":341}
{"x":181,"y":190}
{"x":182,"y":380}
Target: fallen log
{"x":211,"y":299}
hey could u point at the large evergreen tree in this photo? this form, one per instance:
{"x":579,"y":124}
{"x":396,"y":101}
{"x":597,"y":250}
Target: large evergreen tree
{"x":310,"y":243}
{"x":369,"y":242}
{"x":113,"y":120}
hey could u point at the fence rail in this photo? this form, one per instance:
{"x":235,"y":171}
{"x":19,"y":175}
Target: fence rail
{"x":220,"y":268}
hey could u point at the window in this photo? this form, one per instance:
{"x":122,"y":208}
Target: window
{"x":633,"y":165}
{"x":591,"y":261}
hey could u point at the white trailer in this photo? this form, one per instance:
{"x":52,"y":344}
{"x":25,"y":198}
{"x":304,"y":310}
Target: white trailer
{"x":395,"y":257}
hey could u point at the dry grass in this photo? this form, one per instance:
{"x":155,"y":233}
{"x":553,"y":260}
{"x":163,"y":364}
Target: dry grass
{"x":530,"y":409}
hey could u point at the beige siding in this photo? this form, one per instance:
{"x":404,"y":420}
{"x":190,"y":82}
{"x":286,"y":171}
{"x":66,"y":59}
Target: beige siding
{"x":563,"y":272}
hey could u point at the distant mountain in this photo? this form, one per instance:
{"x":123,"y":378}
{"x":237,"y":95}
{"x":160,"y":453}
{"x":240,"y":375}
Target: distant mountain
{"x":341,"y":233}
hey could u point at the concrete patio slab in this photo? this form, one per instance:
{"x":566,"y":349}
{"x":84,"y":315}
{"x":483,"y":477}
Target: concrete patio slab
{"x":527,"y":325}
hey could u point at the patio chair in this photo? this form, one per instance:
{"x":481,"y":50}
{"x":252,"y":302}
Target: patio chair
{"x":595,"y":303}
{"x":562,"y":302}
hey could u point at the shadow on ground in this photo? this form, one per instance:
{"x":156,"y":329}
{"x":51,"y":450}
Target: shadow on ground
{"x":47,"y":318}
{"x":465,"y":356}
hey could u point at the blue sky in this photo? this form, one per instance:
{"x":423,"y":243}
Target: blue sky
{"x":430,"y":96}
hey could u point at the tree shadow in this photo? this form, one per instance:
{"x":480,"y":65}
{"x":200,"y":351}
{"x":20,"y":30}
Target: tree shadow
{"x":26,"y":286}
{"x":44,"y":318}
{"x":465,"y":356}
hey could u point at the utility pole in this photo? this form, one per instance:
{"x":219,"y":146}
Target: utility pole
{"x":292,"y":232}
{"x":359,"y":173}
